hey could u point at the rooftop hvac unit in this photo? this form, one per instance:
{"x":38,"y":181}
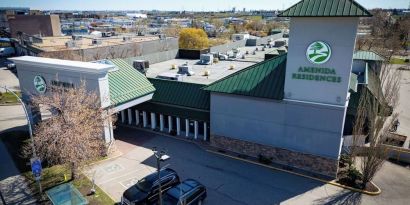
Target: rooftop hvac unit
{"x":76,"y":38}
{"x":126,"y":38}
{"x":185,"y":69}
{"x":141,"y":65}
{"x":96,"y":42}
{"x":70,"y":44}
{"x":171,"y":76}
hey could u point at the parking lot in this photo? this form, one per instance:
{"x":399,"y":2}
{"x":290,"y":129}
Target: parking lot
{"x":228,"y":181}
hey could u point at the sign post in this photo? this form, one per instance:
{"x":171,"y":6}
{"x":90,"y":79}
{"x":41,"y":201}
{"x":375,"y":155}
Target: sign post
{"x":36,"y":169}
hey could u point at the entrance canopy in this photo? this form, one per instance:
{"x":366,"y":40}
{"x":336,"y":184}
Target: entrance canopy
{"x":118,"y":84}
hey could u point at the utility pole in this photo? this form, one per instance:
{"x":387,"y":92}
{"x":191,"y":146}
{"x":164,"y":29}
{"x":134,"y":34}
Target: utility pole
{"x":160,"y":156}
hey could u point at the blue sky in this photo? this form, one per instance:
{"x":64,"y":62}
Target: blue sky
{"x":197,"y":5}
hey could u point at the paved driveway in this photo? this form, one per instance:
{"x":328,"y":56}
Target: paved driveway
{"x":228,"y":181}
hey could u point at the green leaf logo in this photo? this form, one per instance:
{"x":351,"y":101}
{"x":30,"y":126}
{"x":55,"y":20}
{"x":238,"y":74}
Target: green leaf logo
{"x":318,"y":52}
{"x":40,"y":84}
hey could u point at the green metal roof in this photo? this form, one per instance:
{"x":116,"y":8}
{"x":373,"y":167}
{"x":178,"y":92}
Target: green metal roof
{"x":180,"y":94}
{"x":367,"y":55}
{"x":126,"y":83}
{"x":326,"y":8}
{"x":265,"y":80}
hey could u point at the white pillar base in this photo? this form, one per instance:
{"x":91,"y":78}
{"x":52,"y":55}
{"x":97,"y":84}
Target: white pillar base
{"x":122,"y":116}
{"x":205,"y":131}
{"x":129,"y":112}
{"x":144,"y":119}
{"x":137,"y":117}
{"x":169,"y":123}
{"x":161,"y":122}
{"x":186,"y":127}
{"x":195,"y":129}
{"x":178,"y":126}
{"x":153,"y":121}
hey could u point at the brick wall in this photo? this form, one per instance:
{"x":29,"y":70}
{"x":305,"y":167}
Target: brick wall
{"x":307,"y":162}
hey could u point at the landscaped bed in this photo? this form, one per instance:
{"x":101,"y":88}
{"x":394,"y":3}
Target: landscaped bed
{"x":51,"y":176}
{"x":350,"y":176}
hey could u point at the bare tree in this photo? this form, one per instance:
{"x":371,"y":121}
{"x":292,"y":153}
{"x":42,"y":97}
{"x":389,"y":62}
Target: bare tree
{"x":374,"y":117}
{"x":74,"y":132}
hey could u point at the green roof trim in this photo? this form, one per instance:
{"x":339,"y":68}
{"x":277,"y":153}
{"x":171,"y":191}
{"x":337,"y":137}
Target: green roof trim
{"x":179,"y":93}
{"x":126,"y":83}
{"x":326,"y":8}
{"x":264,"y":80}
{"x":367,"y":55}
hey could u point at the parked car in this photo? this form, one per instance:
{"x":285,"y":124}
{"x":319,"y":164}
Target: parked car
{"x":145,"y":191}
{"x":189,"y":192}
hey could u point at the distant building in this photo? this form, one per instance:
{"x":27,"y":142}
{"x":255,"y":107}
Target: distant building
{"x":137,"y":15}
{"x":41,"y":25}
{"x":8,"y":11}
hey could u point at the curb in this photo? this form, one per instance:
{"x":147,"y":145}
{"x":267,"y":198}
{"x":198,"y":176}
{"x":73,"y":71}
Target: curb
{"x":333,"y":182}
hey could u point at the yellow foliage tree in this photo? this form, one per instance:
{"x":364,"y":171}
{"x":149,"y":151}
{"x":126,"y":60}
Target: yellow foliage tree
{"x":193,"y":38}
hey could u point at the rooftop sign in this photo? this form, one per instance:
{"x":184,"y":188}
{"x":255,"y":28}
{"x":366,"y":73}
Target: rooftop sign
{"x":318,"y":52}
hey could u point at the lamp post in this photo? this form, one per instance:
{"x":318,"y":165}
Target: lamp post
{"x":29,"y":128}
{"x":27,"y":117}
{"x":161,"y":157}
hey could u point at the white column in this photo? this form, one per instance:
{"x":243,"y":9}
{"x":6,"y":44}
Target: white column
{"x":122,"y":116}
{"x":161,"y":122}
{"x":205,"y":131}
{"x":178,"y":126}
{"x":186,"y":127}
{"x":129,"y":116}
{"x":144,"y":118}
{"x":169,"y":123}
{"x":153,"y":121}
{"x":195,"y":129}
{"x":137,"y":117}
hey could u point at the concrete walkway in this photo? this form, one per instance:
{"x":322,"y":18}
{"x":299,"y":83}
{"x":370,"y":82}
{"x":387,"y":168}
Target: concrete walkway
{"x":13,"y":186}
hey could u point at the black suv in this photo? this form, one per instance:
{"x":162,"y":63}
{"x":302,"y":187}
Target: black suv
{"x":145,"y":191}
{"x":188,"y":192}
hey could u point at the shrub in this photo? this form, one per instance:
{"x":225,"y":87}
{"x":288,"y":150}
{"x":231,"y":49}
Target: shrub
{"x":264,"y":159}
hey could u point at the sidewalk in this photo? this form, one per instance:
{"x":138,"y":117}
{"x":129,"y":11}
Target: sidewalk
{"x":13,"y":186}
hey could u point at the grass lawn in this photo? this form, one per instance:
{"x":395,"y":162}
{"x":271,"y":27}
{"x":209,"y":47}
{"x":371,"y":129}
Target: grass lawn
{"x":397,"y":61}
{"x":8,"y":98}
{"x":51,"y":176}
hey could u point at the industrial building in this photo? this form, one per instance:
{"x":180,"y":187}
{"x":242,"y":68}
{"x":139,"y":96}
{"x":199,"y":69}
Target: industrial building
{"x":291,"y":108}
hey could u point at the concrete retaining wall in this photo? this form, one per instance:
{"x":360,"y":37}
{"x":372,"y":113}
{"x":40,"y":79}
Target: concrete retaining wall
{"x":147,"y":48}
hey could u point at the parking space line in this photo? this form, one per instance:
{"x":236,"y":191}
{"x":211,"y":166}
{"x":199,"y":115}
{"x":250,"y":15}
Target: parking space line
{"x":112,"y":178}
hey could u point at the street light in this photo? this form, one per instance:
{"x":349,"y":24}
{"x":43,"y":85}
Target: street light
{"x":28,"y":119}
{"x":161,"y":157}
{"x":29,"y":128}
